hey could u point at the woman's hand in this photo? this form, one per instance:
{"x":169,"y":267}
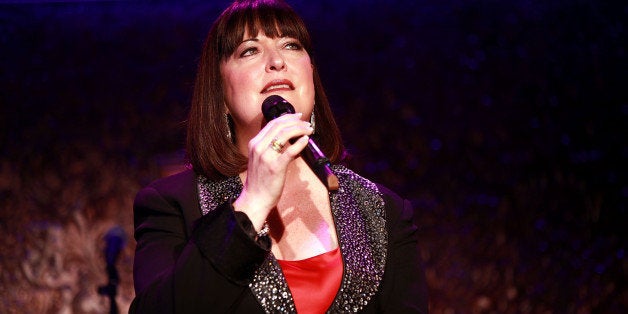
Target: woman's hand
{"x":270,"y":152}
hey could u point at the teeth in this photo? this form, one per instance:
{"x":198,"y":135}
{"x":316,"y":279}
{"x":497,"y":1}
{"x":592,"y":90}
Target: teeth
{"x":277,"y":87}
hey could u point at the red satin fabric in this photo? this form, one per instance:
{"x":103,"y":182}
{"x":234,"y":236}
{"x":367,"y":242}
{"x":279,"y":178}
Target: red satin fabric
{"x":314,"y":281}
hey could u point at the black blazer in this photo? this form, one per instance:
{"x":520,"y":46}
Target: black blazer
{"x":190,"y":262}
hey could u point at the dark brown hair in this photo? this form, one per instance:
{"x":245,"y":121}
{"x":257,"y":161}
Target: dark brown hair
{"x":209,"y":150}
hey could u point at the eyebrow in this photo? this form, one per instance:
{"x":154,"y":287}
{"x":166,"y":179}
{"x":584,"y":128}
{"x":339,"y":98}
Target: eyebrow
{"x":250,"y":39}
{"x":256,"y":39}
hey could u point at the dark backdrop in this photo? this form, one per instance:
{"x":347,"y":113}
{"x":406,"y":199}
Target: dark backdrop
{"x":504,"y":122}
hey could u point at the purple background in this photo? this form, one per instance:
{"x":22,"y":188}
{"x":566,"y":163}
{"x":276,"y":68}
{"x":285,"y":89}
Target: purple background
{"x":504,"y":122}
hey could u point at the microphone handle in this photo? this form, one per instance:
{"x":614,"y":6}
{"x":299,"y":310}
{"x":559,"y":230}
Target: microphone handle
{"x":275,"y":106}
{"x":317,"y":161}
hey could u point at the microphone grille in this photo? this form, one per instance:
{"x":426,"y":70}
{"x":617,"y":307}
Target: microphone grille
{"x":275,"y":106}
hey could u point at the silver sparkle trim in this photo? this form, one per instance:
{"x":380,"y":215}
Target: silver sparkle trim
{"x":358,"y":211}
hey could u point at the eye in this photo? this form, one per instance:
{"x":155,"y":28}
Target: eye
{"x":293,"y":45}
{"x":248,"y":52}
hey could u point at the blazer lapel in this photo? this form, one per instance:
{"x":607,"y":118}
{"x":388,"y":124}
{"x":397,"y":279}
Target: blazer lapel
{"x":359,"y":215}
{"x":358,"y":209}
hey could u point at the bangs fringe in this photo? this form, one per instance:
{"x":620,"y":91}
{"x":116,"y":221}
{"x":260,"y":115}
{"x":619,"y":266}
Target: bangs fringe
{"x":273,"y":18}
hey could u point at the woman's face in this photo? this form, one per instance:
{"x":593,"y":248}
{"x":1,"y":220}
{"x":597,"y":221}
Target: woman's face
{"x":262,"y":66}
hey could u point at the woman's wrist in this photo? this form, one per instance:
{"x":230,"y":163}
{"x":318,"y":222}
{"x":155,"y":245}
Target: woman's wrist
{"x":259,"y":232}
{"x":264,"y":231}
{"x":260,"y":237}
{"x":255,"y":215}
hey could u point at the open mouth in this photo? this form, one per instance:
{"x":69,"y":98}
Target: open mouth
{"x":277,"y":85}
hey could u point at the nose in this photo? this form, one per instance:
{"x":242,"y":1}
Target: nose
{"x":275,"y":61}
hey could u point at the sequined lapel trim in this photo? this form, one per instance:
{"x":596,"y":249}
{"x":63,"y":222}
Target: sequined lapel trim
{"x":269,"y":285}
{"x":271,"y":288}
{"x":358,"y":210}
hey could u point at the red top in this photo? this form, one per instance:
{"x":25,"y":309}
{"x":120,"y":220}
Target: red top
{"x":314,"y":281}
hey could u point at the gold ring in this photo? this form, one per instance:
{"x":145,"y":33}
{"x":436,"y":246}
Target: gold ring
{"x":276,"y":145}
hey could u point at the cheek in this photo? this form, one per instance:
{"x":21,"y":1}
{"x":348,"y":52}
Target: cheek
{"x":239,"y":98}
{"x":232,"y":89}
{"x":230,"y":85}
{"x":308,"y":78}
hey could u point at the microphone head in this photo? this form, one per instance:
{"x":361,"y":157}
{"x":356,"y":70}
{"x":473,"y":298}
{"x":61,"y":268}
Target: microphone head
{"x":275,"y":106}
{"x":115,"y":240}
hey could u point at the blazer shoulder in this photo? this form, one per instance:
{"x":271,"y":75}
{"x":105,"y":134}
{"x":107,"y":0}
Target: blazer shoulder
{"x":179,"y":184}
{"x":397,"y":207}
{"x":388,"y":193}
{"x":178,"y":191}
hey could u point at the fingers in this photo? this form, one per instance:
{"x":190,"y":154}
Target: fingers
{"x":270,"y":153}
{"x":272,"y":125}
{"x":276,"y":145}
{"x":296,"y":147}
{"x":280,"y":135}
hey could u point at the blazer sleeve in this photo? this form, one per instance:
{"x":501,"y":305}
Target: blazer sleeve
{"x":404,"y":289}
{"x":176,"y":271}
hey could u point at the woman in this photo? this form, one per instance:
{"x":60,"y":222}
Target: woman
{"x":250,"y":228}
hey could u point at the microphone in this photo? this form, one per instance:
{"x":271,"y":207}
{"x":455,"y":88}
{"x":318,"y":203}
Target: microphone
{"x":275,"y":106}
{"x":115,"y":240}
